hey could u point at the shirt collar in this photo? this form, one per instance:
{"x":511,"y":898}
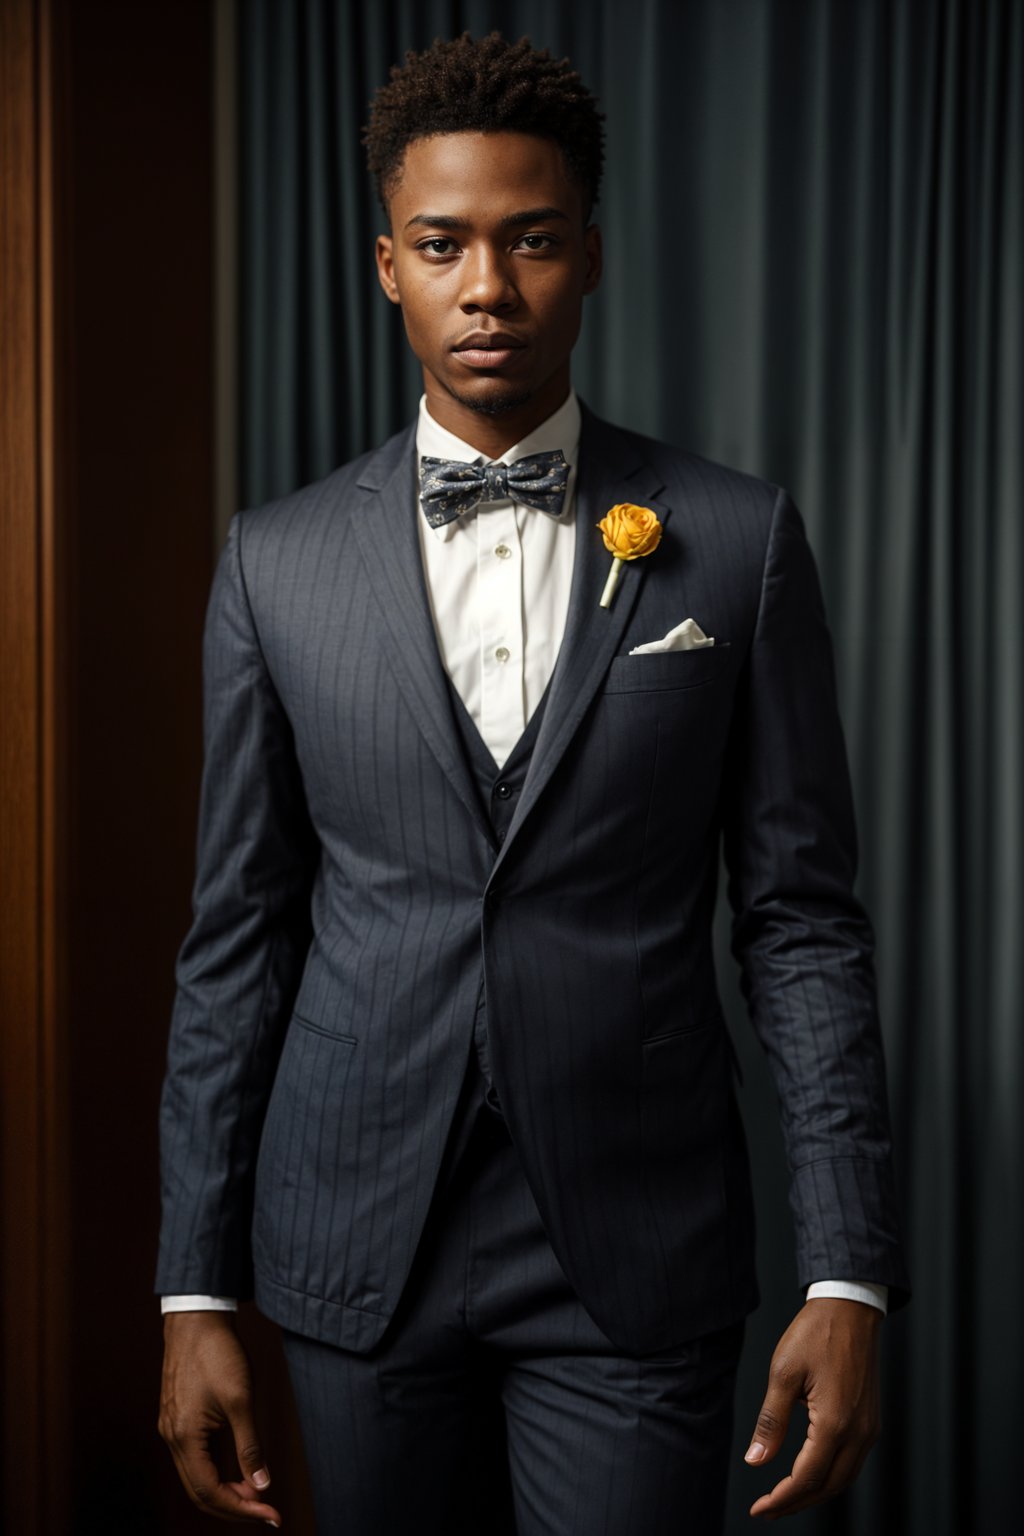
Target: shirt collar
{"x":560,"y":430}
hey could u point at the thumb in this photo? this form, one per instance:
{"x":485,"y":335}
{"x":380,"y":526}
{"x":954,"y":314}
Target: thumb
{"x":773,"y":1418}
{"x":248,"y":1449}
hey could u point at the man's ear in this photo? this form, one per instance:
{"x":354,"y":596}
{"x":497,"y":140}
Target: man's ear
{"x":386,"y":267}
{"x":594,"y":257}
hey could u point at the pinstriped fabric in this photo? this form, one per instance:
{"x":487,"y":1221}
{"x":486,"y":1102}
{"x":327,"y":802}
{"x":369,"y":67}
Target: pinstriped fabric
{"x":493,"y":1402}
{"x":350,"y":885}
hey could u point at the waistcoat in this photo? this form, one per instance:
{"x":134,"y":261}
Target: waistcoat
{"x":499,"y":790}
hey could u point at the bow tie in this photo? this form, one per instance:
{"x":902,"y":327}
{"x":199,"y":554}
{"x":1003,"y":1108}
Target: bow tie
{"x":450,"y":486}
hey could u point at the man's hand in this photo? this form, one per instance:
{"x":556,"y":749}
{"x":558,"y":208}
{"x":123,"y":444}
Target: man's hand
{"x":828,"y":1359}
{"x":207,"y":1384}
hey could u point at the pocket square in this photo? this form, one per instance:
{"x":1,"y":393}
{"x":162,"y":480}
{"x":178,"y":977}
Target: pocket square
{"x":687,"y":636}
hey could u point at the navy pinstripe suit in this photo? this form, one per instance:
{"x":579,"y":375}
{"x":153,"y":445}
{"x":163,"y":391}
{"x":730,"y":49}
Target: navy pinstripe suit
{"x":351,"y":894}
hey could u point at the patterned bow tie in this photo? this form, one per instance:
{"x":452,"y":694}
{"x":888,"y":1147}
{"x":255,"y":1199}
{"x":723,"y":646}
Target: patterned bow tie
{"x":448,"y":486}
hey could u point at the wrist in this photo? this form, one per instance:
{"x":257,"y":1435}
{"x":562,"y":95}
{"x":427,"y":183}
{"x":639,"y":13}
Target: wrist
{"x":844,"y":1310}
{"x":198,"y":1320}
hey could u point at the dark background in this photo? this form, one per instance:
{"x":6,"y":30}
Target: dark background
{"x":812,"y":215}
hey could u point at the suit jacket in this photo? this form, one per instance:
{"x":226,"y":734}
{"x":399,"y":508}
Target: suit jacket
{"x":351,"y":895}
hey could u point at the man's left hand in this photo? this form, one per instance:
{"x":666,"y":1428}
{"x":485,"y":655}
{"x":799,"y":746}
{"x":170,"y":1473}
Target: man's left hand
{"x":828,"y":1359}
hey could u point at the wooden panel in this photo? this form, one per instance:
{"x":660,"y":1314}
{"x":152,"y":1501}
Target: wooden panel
{"x":142,"y":323}
{"x":139,"y":295}
{"x":107,"y":524}
{"x":33,"y":1158}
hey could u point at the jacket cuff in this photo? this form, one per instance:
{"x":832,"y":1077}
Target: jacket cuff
{"x":846,"y":1219}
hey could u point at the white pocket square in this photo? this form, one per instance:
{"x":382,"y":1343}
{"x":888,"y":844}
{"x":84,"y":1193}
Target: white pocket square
{"x":687,"y":636}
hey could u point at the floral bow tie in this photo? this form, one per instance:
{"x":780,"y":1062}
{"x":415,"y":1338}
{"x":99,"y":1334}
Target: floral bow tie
{"x":449,"y":486}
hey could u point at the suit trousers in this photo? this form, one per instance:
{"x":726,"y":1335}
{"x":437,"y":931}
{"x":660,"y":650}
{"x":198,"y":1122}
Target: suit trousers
{"x":494,"y":1405}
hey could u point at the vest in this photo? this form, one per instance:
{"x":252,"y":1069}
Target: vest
{"x":499,"y":790}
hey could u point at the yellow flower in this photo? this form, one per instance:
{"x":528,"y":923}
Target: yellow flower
{"x":630,"y":531}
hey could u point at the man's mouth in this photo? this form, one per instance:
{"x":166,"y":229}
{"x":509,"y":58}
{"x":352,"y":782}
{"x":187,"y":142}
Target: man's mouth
{"x":489,"y":349}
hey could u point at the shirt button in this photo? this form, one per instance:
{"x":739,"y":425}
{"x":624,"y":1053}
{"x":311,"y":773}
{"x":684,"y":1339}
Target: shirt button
{"x":502,"y":551}
{"x":502,"y":653}
{"x":503,"y":790}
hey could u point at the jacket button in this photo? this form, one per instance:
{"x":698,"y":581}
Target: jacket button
{"x":502,"y":790}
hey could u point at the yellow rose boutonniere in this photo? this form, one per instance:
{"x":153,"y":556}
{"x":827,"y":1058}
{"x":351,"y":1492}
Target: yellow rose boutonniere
{"x":628,"y":532}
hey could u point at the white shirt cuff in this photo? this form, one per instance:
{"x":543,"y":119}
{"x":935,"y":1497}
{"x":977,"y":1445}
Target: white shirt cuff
{"x":852,"y":1290}
{"x":198,"y":1304}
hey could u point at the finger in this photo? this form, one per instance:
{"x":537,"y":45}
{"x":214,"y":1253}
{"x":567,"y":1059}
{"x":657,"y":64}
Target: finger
{"x":250,"y":1455}
{"x":818,"y":1473}
{"x":848,"y":1463}
{"x":202,"y":1480}
{"x":784,"y":1387}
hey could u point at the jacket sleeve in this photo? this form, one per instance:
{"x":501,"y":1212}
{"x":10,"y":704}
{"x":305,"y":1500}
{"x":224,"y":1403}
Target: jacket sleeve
{"x":241,"y":962}
{"x":803,"y":941}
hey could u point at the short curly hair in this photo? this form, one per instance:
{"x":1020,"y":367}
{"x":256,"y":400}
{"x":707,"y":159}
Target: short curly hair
{"x":487,"y":85}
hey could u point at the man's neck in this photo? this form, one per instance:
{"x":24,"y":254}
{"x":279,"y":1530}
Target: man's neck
{"x":494,"y":435}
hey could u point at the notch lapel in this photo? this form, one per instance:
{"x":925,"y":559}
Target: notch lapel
{"x":388,"y":538}
{"x":610,"y":471}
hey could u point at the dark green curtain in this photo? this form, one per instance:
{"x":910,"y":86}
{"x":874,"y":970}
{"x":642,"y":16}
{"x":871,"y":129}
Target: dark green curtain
{"x":813,"y":224}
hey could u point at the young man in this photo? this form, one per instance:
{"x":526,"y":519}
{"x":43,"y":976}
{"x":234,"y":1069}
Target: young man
{"x":449,"y":1087}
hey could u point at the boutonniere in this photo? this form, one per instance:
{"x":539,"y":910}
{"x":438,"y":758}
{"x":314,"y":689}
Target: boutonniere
{"x":628,"y":532}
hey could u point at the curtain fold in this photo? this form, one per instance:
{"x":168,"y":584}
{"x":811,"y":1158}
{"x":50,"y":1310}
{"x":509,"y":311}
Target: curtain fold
{"x":813,"y":228}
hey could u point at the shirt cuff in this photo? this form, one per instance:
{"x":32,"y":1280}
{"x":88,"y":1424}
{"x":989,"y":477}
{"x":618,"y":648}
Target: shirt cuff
{"x":852,"y":1290}
{"x":198,"y":1304}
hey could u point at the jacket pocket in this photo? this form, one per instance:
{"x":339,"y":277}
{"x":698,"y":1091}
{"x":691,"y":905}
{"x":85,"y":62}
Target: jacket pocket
{"x":298,"y":1164}
{"x":667,"y":669}
{"x":318,"y":1029}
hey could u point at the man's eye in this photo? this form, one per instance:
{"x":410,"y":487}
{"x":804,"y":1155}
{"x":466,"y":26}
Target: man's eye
{"x":537,"y":242}
{"x":430,"y":246}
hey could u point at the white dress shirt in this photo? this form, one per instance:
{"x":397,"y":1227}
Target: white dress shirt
{"x":498,"y":581}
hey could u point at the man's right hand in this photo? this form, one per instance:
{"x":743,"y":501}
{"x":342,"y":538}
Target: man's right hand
{"x":206,"y":1385}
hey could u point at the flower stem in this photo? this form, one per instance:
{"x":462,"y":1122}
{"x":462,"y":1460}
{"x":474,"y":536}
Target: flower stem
{"x":609,"y":586}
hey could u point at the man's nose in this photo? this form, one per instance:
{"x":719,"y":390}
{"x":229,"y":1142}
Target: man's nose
{"x":487,"y":283}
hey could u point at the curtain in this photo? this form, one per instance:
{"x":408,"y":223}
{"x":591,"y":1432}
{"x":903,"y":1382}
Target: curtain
{"x":813,"y":226}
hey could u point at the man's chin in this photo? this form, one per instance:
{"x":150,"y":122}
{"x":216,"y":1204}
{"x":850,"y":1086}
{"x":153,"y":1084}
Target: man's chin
{"x":491,"y":401}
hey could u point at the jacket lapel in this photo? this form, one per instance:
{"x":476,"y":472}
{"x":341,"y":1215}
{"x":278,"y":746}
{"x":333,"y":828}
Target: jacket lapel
{"x":610,"y":471}
{"x":388,"y":539}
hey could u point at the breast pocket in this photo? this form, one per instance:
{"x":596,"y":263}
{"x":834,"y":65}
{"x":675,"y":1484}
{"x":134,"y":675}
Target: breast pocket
{"x":667,"y":669}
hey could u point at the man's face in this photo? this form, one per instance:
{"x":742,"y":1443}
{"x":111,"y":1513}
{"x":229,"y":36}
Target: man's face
{"x":489,"y":260}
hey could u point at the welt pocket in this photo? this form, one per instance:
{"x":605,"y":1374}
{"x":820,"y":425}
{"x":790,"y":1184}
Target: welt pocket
{"x":318,"y":1029}
{"x":689,"y":1032}
{"x":667,"y":669}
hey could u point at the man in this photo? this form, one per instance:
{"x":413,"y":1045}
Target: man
{"x":449,"y":1086}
